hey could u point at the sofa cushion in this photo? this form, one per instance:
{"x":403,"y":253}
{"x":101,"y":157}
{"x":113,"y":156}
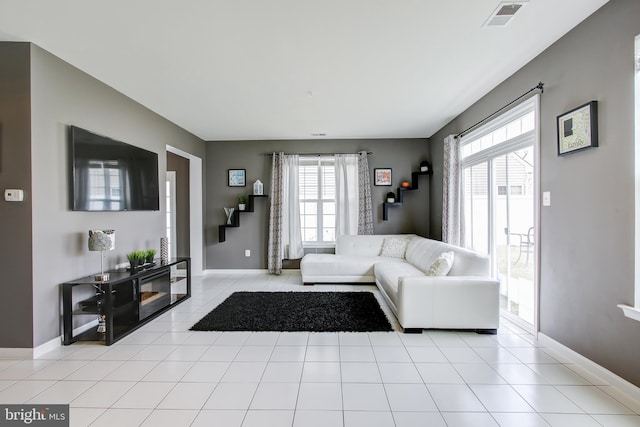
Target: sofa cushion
{"x":394,"y":247}
{"x":388,"y":275}
{"x":441,"y":265}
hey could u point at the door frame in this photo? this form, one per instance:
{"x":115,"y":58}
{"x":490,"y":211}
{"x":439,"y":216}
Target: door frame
{"x":196,"y":221}
{"x":491,"y":153}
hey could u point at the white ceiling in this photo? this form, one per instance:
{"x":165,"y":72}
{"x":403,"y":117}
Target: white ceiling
{"x":286,"y":69}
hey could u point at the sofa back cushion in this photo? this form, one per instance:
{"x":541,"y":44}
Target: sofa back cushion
{"x":423,"y":252}
{"x":369,"y":245}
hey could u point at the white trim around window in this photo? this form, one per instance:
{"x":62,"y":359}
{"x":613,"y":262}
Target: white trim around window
{"x":629,"y":311}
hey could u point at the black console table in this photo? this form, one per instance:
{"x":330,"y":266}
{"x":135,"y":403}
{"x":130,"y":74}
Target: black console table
{"x":134,"y":299}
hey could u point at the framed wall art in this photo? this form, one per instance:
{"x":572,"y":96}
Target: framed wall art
{"x":382,"y":177}
{"x":237,"y":178}
{"x":578,"y":129}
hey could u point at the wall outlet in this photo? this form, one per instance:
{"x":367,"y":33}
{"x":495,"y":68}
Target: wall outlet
{"x":247,"y":252}
{"x":122,"y":266}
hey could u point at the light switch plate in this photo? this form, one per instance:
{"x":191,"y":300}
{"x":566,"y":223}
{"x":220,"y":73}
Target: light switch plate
{"x":13,"y":195}
{"x":546,"y":198}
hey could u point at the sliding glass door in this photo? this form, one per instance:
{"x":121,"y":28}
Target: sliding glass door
{"x":499,"y":204}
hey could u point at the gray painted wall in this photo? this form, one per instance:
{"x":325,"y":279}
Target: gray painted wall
{"x":15,"y":217}
{"x":62,"y":95}
{"x":402,"y":155}
{"x":587,"y":234}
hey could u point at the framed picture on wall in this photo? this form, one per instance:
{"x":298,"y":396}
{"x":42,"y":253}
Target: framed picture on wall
{"x":237,"y":178}
{"x":382,"y":177}
{"x":578,"y":128}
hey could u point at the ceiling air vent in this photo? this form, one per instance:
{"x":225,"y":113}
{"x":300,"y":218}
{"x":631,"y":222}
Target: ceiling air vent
{"x":503,"y":13}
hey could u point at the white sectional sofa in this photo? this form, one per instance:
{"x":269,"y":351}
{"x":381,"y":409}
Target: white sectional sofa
{"x":466,"y":298}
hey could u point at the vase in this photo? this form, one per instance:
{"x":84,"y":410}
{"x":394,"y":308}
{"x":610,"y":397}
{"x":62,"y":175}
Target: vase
{"x":164,"y":250}
{"x":229,"y":213}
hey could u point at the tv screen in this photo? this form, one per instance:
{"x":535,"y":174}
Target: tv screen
{"x":110,"y":175}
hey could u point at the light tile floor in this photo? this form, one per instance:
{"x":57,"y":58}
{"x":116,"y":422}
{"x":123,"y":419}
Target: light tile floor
{"x":165,"y":375}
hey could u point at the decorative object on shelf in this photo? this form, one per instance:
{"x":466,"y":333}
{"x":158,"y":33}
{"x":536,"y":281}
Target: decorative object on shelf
{"x":229,"y":213}
{"x":405,"y":184}
{"x":578,"y":128}
{"x":102,"y":240}
{"x":424,"y":166}
{"x":237,"y":178}
{"x":164,"y":250}
{"x":242,"y":202}
{"x":149,"y":256}
{"x":382,"y":177}
{"x":391,"y":197}
{"x":258,"y":188}
{"x":136,"y":259}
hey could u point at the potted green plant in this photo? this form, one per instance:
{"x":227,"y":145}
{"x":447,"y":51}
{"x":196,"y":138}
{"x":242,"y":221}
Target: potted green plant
{"x":136,"y":259}
{"x":242,"y":202}
{"x":150,"y":254}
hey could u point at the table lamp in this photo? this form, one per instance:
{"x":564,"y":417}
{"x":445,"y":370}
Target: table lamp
{"x":102,"y":240}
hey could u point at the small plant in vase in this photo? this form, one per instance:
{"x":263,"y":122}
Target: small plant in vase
{"x":150,"y":254}
{"x":242,"y":203}
{"x":136,"y":259}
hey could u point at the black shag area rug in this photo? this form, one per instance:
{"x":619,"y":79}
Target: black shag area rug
{"x":297,"y":311}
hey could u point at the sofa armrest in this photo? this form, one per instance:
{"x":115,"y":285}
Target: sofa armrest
{"x":449,"y":302}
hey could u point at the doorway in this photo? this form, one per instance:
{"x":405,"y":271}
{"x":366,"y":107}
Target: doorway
{"x":188,"y":200}
{"x":499,"y":187}
{"x":178,"y":205}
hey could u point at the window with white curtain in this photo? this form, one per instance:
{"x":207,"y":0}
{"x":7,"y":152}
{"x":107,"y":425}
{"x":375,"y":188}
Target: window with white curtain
{"x":317,"y":187}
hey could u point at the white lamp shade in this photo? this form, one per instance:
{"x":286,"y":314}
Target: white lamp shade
{"x":102,"y":240}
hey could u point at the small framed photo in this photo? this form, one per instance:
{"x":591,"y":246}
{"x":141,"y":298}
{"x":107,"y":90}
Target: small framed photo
{"x":382,"y":177}
{"x":578,"y":128}
{"x":237,"y":178}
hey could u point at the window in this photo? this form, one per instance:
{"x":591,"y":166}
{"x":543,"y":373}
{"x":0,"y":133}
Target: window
{"x":317,"y":183}
{"x":516,"y":190}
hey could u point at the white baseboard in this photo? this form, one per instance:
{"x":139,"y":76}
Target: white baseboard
{"x":47,"y":347}
{"x":606,"y":375}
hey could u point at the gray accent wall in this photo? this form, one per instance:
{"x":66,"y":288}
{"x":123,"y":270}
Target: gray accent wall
{"x":15,"y":217}
{"x":62,"y":95}
{"x":587,"y":234}
{"x":402,"y":155}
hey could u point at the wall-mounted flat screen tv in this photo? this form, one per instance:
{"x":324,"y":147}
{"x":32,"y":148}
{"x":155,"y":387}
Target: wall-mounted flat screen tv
{"x":109,"y":175}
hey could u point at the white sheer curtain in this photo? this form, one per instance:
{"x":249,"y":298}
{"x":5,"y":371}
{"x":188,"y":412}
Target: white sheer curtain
{"x":452,"y":225}
{"x":347,"y":194}
{"x":285,"y":238}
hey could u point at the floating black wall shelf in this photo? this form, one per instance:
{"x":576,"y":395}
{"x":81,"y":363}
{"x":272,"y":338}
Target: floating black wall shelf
{"x":400,"y":194}
{"x":235,"y":218}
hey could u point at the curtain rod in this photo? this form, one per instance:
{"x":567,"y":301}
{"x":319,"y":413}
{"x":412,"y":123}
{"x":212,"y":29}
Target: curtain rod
{"x":316,"y":154}
{"x":464,"y":132}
